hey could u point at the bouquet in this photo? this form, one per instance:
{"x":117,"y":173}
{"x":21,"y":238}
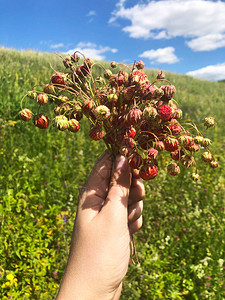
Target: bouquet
{"x":135,"y":117}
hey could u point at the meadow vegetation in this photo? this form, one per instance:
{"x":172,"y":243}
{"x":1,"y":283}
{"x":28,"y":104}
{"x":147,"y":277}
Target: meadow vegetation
{"x":181,"y":246}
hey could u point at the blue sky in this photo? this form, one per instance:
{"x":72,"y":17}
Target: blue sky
{"x":182,"y":36}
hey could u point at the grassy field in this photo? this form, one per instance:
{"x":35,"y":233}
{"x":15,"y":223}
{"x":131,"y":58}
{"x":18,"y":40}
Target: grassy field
{"x":181,"y":246}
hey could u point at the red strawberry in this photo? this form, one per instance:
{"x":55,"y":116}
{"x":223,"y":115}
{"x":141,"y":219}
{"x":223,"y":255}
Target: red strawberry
{"x":128,"y":142}
{"x":74,"y":125}
{"x":173,"y":169}
{"x":135,"y":160}
{"x":159,"y":145}
{"x":131,"y":132}
{"x":96,"y":133}
{"x":152,"y":153}
{"x":134,"y":116}
{"x":171,"y":144}
{"x":165,"y":112}
{"x":169,"y":91}
{"x":87,"y":105}
{"x":41,"y":121}
{"x":176,"y":155}
{"x":42,"y":99}
{"x":58,"y":78}
{"x":148,"y":172}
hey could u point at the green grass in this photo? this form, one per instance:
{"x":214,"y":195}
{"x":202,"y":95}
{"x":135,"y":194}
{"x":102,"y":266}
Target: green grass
{"x":181,"y":244}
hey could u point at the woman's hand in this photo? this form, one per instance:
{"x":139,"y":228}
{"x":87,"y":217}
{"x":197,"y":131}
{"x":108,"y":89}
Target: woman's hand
{"x":109,"y":210}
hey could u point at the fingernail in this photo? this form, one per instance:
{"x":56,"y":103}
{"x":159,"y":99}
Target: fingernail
{"x":121,"y":163}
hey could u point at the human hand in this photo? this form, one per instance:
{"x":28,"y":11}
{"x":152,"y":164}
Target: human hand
{"x":109,"y":210}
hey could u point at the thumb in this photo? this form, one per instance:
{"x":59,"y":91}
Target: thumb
{"x":117,"y":199}
{"x":92,"y":195}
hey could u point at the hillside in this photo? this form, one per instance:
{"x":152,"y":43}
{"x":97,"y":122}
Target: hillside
{"x":21,"y":70}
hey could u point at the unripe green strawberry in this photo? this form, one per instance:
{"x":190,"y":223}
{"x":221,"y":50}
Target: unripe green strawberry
{"x":77,"y":107}
{"x":102,"y":112}
{"x":112,"y":97}
{"x":172,"y":104}
{"x":160,"y":75}
{"x":42,"y":99}
{"x":178,"y":114}
{"x":41,"y":121}
{"x":57,"y":110}
{"x":113,"y":64}
{"x":195,"y":176}
{"x":214,"y":164}
{"x":198,"y":140}
{"x":140,"y":65}
{"x":61,"y":123}
{"x":107,"y":74}
{"x":74,"y":125}
{"x":49,"y":89}
{"x":206,"y":142}
{"x":209,"y":122}
{"x":173,"y":169}
{"x":158,"y":93}
{"x":32,"y":95}
{"x":207,"y":156}
{"x":187,"y":160}
{"x":88,"y":62}
{"x":149,"y":113}
{"x":25,"y":114}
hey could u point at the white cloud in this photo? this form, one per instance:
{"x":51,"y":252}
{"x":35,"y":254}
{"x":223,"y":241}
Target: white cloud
{"x":212,"y":72}
{"x":92,"y":50}
{"x":56,"y":46}
{"x":192,"y":20}
{"x":208,"y":42}
{"x":161,"y":55}
{"x":91,"y":13}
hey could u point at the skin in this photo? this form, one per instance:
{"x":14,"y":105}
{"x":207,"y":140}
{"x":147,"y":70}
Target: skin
{"x":109,"y":211}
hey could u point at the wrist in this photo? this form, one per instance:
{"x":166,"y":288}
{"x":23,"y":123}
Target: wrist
{"x":82,"y":290}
